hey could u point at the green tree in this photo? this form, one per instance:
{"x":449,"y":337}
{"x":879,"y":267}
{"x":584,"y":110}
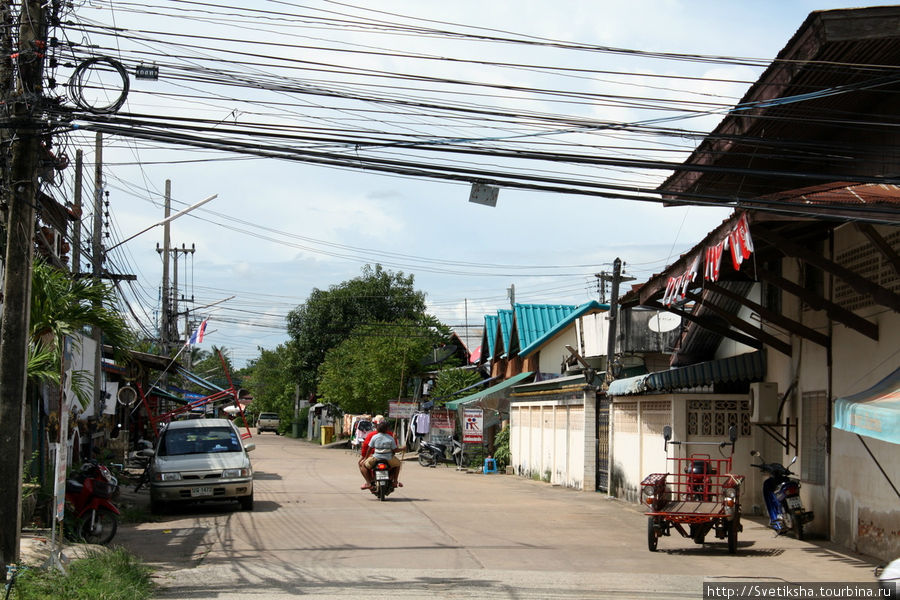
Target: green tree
{"x":375,"y":363}
{"x":449,"y":381}
{"x":268,"y":378}
{"x":61,"y":306}
{"x":329,"y":316}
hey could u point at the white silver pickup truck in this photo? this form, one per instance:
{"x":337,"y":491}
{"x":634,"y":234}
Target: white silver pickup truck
{"x":267,"y":421}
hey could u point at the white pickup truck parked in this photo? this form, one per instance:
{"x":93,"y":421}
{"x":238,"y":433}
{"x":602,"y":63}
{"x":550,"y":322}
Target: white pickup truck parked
{"x":267,"y":421}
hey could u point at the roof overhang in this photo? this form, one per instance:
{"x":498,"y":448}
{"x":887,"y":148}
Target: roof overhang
{"x":810,"y":118}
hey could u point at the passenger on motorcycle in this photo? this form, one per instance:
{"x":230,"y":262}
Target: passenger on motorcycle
{"x":380,"y":444}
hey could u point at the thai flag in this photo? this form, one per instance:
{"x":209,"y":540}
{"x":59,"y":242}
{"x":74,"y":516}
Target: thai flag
{"x":197,"y":336}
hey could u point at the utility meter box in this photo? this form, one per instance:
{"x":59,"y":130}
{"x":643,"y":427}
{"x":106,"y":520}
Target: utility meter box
{"x":764,"y":403}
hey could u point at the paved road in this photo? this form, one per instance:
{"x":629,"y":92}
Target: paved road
{"x":447,"y":533}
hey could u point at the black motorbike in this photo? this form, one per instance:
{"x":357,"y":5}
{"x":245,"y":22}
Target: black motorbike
{"x":782,"y":495}
{"x":382,"y":486}
{"x":432,"y":453}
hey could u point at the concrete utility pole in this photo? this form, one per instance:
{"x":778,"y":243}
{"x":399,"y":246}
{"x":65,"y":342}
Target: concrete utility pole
{"x":14,"y":331}
{"x":97,"y":274}
{"x":164,"y":320}
{"x":613,"y":316}
{"x":76,"y":226}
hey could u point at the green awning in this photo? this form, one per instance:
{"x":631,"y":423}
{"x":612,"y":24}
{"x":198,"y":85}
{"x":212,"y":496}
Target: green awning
{"x":492,"y":392}
{"x":874,"y":412}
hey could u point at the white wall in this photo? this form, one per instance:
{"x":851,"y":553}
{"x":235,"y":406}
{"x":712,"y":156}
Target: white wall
{"x":547,"y":441}
{"x":865,"y":511}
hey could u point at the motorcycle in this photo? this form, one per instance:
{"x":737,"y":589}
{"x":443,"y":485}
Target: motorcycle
{"x":382,"y":485}
{"x":89,"y":494}
{"x":782,"y":495}
{"x":432,"y":453}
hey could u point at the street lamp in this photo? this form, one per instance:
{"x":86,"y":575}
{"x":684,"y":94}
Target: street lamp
{"x":166,"y":220}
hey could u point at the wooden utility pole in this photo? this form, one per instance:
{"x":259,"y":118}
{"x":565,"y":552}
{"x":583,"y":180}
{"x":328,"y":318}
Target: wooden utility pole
{"x":25,"y":106}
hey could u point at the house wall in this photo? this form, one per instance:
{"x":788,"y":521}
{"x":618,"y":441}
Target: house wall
{"x":554,"y":351}
{"x":549,"y":438}
{"x":865,"y":510}
{"x":854,"y":504}
{"x":638,"y":446}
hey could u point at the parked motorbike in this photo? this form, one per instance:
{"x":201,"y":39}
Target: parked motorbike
{"x":382,"y":485}
{"x":89,"y":494}
{"x":782,"y":495}
{"x":431,"y":453}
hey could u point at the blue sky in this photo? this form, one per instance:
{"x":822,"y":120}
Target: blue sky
{"x":280,"y":229}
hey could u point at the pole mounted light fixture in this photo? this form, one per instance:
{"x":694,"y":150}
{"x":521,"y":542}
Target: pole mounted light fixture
{"x":166,"y":220}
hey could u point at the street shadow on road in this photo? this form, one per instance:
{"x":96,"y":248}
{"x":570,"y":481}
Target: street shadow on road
{"x":827,"y":551}
{"x":744,"y":549}
{"x":263,"y":476}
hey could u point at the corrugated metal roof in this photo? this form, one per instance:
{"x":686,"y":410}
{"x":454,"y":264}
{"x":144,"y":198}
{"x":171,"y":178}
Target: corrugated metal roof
{"x":533,"y":321}
{"x":490,"y":334}
{"x":565,"y":321}
{"x":505,"y":316}
{"x":491,"y":392}
{"x":744,"y":367}
{"x":808,"y":68}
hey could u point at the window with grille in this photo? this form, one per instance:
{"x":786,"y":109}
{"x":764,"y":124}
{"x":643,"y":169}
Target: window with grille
{"x":869,"y":262}
{"x":813,"y":433}
{"x":714,"y":417}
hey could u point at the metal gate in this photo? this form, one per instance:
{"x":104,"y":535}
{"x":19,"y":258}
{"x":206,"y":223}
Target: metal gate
{"x":602,"y":437}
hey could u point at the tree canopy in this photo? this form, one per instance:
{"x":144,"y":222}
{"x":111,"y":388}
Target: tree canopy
{"x":375,"y":363}
{"x":328,"y":317}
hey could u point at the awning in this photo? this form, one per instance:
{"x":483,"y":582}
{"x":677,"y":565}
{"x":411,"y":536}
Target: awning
{"x":744,"y":367}
{"x":874,"y":412}
{"x":491,"y":393}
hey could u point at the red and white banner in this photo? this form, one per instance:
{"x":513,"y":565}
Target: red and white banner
{"x":740,"y":243}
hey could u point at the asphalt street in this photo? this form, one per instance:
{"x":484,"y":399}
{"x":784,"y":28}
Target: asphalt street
{"x":447,"y":533}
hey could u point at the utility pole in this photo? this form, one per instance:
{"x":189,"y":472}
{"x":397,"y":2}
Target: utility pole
{"x":97,"y":274}
{"x":602,"y":278}
{"x":76,"y":227}
{"x":174,"y":304}
{"x":613,"y":316}
{"x":22,"y":194}
{"x":164,"y":320}
{"x":511,"y":290}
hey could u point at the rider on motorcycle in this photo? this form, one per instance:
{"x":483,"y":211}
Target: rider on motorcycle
{"x":380,"y":444}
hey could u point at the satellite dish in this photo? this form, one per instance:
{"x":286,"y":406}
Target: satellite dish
{"x":663,"y":321}
{"x":127,"y":395}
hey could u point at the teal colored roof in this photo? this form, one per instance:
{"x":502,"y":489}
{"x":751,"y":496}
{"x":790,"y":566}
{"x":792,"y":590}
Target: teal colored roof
{"x":489,"y":337}
{"x":491,"y":392}
{"x":533,"y":321}
{"x":551,"y":329}
{"x":505,"y":316}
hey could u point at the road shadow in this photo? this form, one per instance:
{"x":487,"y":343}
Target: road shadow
{"x":264,"y":476}
{"x":827,"y":551}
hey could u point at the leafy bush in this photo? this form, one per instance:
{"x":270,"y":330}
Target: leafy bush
{"x":501,"y":449}
{"x":108,"y":574}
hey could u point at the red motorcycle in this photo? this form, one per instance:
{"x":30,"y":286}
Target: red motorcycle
{"x":89,"y":494}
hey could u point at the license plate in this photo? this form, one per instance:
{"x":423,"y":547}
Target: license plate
{"x":793,"y":502}
{"x":199,"y":492}
{"x":381,"y":475}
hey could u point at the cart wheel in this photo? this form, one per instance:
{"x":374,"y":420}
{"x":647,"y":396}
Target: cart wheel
{"x":733,"y":527}
{"x":652,"y":534}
